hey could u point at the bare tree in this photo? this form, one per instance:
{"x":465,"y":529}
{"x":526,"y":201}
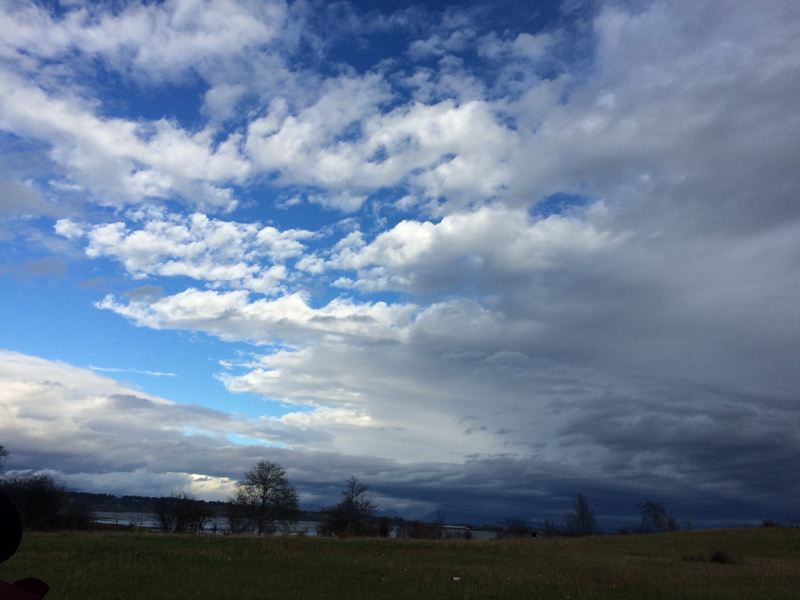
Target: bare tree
{"x":78,"y":515}
{"x":237,"y":519}
{"x":580,"y":520}
{"x":3,"y":456}
{"x":199,"y":516}
{"x":418,"y":530}
{"x":177,"y":513}
{"x":353,"y":514}
{"x":514,"y":527}
{"x":438,"y":530}
{"x":550,"y":528}
{"x":265,"y":498}
{"x":656,"y":518}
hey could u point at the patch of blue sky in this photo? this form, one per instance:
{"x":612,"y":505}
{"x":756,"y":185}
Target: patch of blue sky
{"x":296,"y":207}
{"x":560,"y":203}
{"x":384,"y":209}
{"x":250,"y":405}
{"x":387,"y":296}
{"x":349,"y":133}
{"x":385,"y":44}
{"x":205,"y":388}
{"x":320,"y":291}
{"x":242,"y":440}
{"x":127,"y":98}
{"x":253,"y":406}
{"x":380,"y":155}
{"x":104,"y":275}
{"x":341,"y":285}
{"x":367,"y":53}
{"x":192,"y":360}
{"x":61,"y":322}
{"x":57,"y":9}
{"x":515,"y":16}
{"x":268,"y":204}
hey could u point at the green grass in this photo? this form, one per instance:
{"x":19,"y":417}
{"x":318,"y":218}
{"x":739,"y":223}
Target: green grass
{"x":101,"y":565}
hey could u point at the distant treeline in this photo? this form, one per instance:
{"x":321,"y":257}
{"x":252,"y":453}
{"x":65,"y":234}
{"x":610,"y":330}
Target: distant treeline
{"x":265,"y":502}
{"x":147,"y":505}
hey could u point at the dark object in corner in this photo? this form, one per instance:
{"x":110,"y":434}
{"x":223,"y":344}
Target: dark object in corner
{"x":10,"y":527}
{"x":10,"y":538}
{"x":29,"y":588}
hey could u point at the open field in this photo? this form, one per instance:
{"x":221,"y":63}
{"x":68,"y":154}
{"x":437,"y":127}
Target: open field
{"x":724,"y":564}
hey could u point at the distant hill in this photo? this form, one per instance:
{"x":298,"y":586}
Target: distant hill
{"x":145,"y":504}
{"x":134,"y":504}
{"x":458,"y":518}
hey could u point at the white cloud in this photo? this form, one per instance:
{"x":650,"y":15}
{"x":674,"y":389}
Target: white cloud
{"x":491,"y":242}
{"x":325,"y":418}
{"x":220,"y":101}
{"x":319,"y":145}
{"x":220,"y":252}
{"x":437,"y":45}
{"x":149,"y":40}
{"x":121,"y":161}
{"x":69,"y":229}
{"x":651,"y":109}
{"x":525,"y":45}
{"x":344,"y":201}
{"x":120,"y":370}
{"x":232,"y":316}
{"x":444,"y":149}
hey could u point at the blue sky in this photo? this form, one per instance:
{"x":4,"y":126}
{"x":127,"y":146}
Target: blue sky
{"x":485,"y":256}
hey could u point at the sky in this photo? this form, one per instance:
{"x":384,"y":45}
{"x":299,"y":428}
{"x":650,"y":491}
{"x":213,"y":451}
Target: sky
{"x":482,"y":255}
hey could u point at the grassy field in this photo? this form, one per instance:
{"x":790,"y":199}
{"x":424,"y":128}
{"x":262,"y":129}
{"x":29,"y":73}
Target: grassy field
{"x":724,"y":564}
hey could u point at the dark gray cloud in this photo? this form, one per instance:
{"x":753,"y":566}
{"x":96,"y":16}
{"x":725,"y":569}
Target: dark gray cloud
{"x":716,"y":453}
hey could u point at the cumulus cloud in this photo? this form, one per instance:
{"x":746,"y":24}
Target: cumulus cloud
{"x":121,"y":161}
{"x":220,"y":252}
{"x":148,"y":41}
{"x":490,"y":242}
{"x":618,"y":128}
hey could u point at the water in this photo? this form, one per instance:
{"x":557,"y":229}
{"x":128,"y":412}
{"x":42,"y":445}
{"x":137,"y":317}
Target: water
{"x":147,"y":521}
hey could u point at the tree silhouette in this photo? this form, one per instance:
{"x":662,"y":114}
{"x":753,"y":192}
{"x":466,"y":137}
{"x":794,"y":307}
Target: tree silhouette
{"x":265,"y":498}
{"x":180,"y":512}
{"x":656,"y":518}
{"x":581,"y":520}
{"x":352,"y":515}
{"x":515,"y":527}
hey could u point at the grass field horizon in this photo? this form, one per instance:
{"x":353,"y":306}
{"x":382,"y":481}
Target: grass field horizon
{"x":724,"y":564}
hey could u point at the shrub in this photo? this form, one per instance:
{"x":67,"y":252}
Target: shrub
{"x":43,"y":503}
{"x":719,"y":556}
